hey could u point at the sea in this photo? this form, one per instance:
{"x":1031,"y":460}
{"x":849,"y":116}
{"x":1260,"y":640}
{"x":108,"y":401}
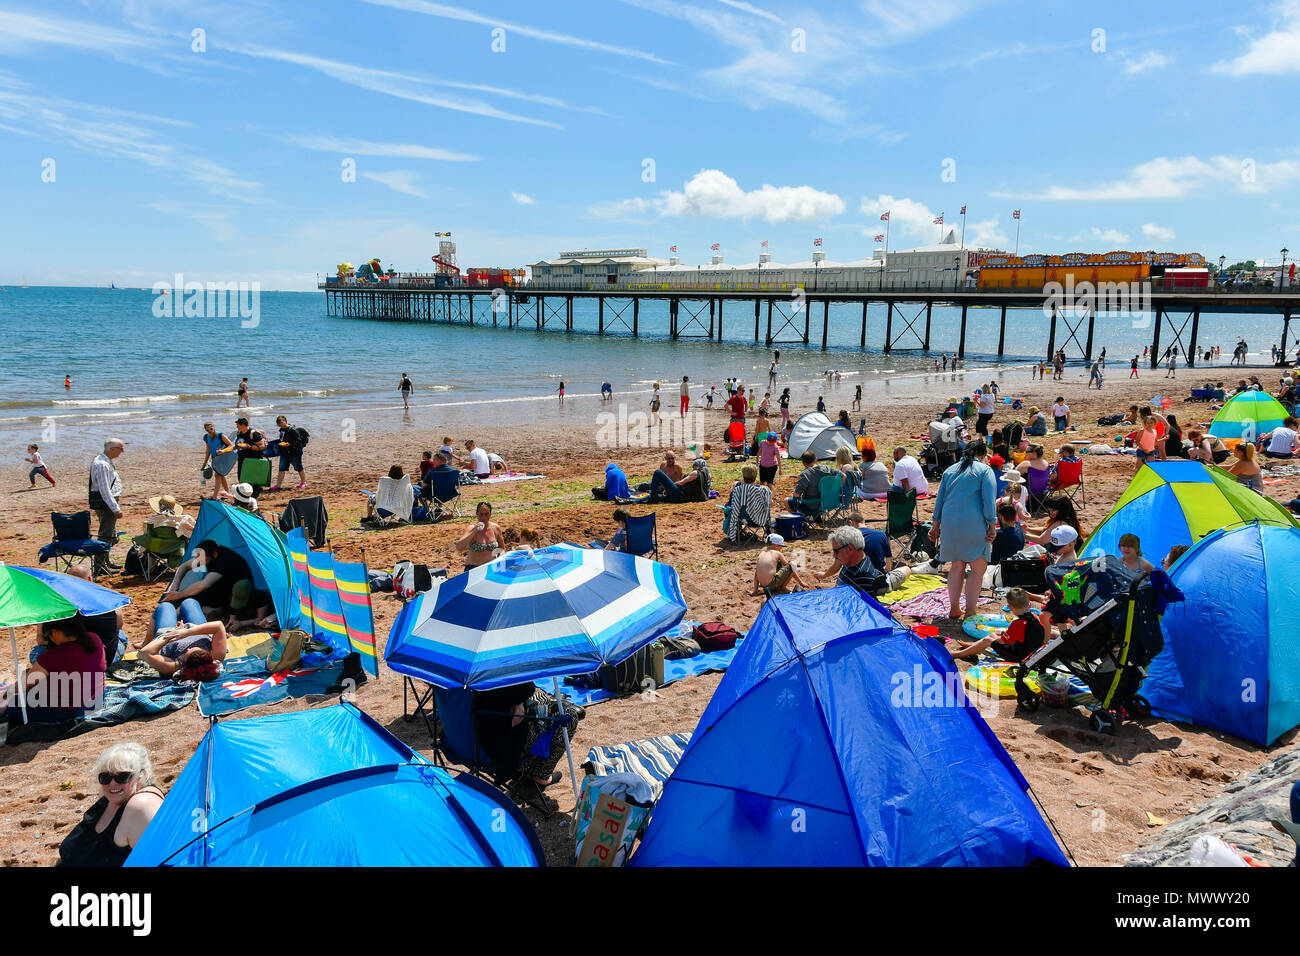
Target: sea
{"x":153,"y":380}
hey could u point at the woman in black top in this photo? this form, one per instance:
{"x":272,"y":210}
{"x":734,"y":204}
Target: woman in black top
{"x":1174,"y":438}
{"x":114,"y":824}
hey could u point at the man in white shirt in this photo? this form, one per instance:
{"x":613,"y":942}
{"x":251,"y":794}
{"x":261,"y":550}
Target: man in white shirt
{"x":1281,"y":440}
{"x":477,"y":461}
{"x":105,"y":488}
{"x":908,"y":472}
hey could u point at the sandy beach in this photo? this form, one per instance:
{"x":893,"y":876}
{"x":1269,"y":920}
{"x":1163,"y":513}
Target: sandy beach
{"x":1101,"y":792}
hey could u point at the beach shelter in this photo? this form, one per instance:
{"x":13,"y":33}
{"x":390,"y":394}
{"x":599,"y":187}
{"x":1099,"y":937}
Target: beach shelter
{"x":1180,"y":502}
{"x":814,"y":430}
{"x":1247,"y":415}
{"x":1232,"y":650}
{"x":325,"y":788}
{"x":334,"y":598}
{"x":263,"y":547}
{"x":839,"y":738}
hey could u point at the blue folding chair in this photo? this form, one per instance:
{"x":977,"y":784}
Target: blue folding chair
{"x":72,"y":541}
{"x":830,"y":492}
{"x":643,"y":535}
{"x":444,"y":493}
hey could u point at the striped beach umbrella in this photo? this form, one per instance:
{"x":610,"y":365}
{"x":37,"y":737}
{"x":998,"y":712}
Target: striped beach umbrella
{"x":1247,"y":415}
{"x":534,"y":614}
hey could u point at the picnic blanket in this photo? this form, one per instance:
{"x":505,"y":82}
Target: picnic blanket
{"x":916,"y":584}
{"x":927,"y":606}
{"x":122,"y":702}
{"x":653,"y":759}
{"x":673,"y":670}
{"x":510,"y":476}
{"x":245,"y":682}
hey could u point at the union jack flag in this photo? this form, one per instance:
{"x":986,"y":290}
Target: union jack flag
{"x":715,"y":247}
{"x":963,"y":210}
{"x":939,"y":221}
{"x":817,"y":242}
{"x":672,"y":248}
{"x":763,"y":243}
{"x":880,"y":237}
{"x":884,"y":217}
{"x":251,"y":685}
{"x":1015,"y":214}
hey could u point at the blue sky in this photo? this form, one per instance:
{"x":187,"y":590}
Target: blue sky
{"x":527,"y":129}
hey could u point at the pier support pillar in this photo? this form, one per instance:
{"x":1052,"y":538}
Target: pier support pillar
{"x":600,"y":316}
{"x":769,"y":322}
{"x":1155,"y":338}
{"x":1092,"y":319}
{"x":720,"y":301}
{"x":807,"y":319}
{"x":757,"y":303}
{"x":889,"y":326}
{"x":961,"y":341}
{"x":862,"y":342}
{"x":568,"y":313}
{"x":672,"y":319}
{"x":1286,"y":327}
{"x":929,"y":307}
{"x":826,"y":321}
{"x":471,"y":309}
{"x":1002,"y":331}
{"x":636,"y":316}
{"x":1051,"y":337}
{"x":713,"y":303}
{"x":1196,"y":328}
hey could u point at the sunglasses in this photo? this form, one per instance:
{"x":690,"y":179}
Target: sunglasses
{"x":122,"y":776}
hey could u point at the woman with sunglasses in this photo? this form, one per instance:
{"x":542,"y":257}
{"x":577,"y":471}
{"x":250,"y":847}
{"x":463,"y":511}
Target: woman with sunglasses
{"x":114,"y":824}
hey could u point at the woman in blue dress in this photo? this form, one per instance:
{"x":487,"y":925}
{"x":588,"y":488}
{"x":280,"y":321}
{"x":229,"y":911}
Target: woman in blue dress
{"x":222,"y":454}
{"x":965,"y":523}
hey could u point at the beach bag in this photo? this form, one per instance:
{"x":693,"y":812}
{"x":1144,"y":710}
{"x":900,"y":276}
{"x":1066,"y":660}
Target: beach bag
{"x":133,"y":563}
{"x":1110,"y":419}
{"x":409,"y":579}
{"x":644,"y":670}
{"x":286,"y":651}
{"x":600,"y":494}
{"x":256,"y":471}
{"x":714,"y":636}
{"x":921,"y":543}
{"x":380,"y":581}
{"x":1024,"y":571}
{"x":679,"y":648}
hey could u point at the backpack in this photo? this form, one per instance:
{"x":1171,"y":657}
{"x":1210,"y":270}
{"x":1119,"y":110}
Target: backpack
{"x":714,"y":636}
{"x":133,"y":564}
{"x":679,"y":648}
{"x":286,"y":651}
{"x":921,"y":543}
{"x":303,"y":437}
{"x":1015,"y":433}
{"x":1110,"y":419}
{"x":644,"y":670}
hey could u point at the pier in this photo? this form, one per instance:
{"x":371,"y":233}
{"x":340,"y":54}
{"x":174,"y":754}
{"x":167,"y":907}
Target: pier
{"x":792,"y":317}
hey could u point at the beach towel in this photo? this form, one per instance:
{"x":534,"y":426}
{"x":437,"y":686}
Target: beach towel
{"x":122,"y":702}
{"x":915,"y":585}
{"x":653,"y":759}
{"x":927,"y":606}
{"x":245,"y":682}
{"x":510,"y":476}
{"x":674,"y":670}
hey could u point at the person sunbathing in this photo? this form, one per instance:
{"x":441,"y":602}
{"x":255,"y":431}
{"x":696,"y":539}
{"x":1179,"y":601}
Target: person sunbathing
{"x":773,"y":573}
{"x":188,"y":653}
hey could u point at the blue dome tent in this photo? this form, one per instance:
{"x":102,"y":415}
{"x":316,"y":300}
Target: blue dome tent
{"x":263,"y":547}
{"x":839,"y":738}
{"x":328,"y":787}
{"x":1232,"y":651}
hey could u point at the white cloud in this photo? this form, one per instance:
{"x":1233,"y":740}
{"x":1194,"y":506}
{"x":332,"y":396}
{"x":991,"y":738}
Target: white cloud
{"x":1175,"y":177}
{"x":750,"y":8}
{"x":1109,"y":235}
{"x":905,"y":215}
{"x":712,"y":194}
{"x":1275,"y":52}
{"x":216,"y":221}
{"x":360,"y":147}
{"x":399,"y":180}
{"x":523,"y":199}
{"x":1157,"y":233}
{"x":549,"y":36}
{"x":1151,"y":60}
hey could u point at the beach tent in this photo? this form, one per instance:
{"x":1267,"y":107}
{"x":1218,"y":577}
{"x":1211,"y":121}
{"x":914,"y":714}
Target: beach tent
{"x":814,"y":430}
{"x":325,"y":788}
{"x":1180,"y":502}
{"x":839,"y":738}
{"x":1247,"y":415}
{"x":263,"y":547}
{"x":1232,"y":649}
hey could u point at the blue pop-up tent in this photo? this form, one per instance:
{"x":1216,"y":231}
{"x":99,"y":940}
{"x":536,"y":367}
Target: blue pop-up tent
{"x":328,"y":787}
{"x":263,"y":547}
{"x":1231,"y":659}
{"x":839,"y":738}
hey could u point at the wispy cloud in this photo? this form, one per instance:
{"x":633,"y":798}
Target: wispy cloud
{"x":750,"y":8}
{"x":361,"y":147}
{"x":218,"y":222}
{"x":399,"y":180}
{"x":1175,"y":178}
{"x":523,"y":199}
{"x":1275,"y":52}
{"x":712,"y":194}
{"x":1151,"y":60}
{"x":548,"y":36}
{"x":1157,"y":233}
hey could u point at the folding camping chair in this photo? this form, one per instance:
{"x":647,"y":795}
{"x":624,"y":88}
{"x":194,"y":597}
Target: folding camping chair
{"x":72,"y":541}
{"x":161,"y":549}
{"x":1038,"y":486}
{"x":444,"y":493}
{"x":643,"y":535}
{"x":900,"y":517}
{"x":830,"y":494}
{"x":742,"y":522}
{"x":1069,"y":479}
{"x":308,"y":514}
{"x":394,"y":500}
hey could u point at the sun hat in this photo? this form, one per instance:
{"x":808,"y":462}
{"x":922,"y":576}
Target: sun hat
{"x":776,"y":540}
{"x":243,"y":494}
{"x":1063,"y":535}
{"x":166,"y":505}
{"x":1013,"y":477}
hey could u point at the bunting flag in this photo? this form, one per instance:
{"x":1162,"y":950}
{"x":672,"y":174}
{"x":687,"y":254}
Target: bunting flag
{"x":335,"y":599}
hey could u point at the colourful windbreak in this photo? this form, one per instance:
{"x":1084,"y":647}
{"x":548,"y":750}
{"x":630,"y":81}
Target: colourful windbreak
{"x":335,"y":597}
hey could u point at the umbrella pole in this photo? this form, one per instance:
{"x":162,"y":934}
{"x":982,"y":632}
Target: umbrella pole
{"x":20,"y":687}
{"x":573,"y":777}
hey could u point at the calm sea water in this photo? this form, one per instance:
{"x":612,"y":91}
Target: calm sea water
{"x":153,"y":380}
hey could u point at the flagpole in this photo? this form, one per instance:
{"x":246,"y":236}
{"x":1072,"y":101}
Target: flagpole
{"x":1017,"y":235}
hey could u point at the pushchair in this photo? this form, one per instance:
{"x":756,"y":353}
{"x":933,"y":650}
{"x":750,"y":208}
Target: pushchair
{"x":941,"y":450}
{"x":1110,"y":632}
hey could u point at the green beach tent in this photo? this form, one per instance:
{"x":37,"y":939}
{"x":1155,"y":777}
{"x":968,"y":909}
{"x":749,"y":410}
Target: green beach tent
{"x":1247,"y":415}
{"x":1180,"y":502}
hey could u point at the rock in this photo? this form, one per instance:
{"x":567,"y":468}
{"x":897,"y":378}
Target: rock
{"x":1242,"y":815}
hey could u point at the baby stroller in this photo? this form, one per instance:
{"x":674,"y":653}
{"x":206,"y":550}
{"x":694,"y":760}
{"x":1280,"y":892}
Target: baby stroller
{"x":941,"y":450}
{"x":1110,"y":632}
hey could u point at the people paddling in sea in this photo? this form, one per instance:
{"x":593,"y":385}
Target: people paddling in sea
{"x":243,"y":394}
